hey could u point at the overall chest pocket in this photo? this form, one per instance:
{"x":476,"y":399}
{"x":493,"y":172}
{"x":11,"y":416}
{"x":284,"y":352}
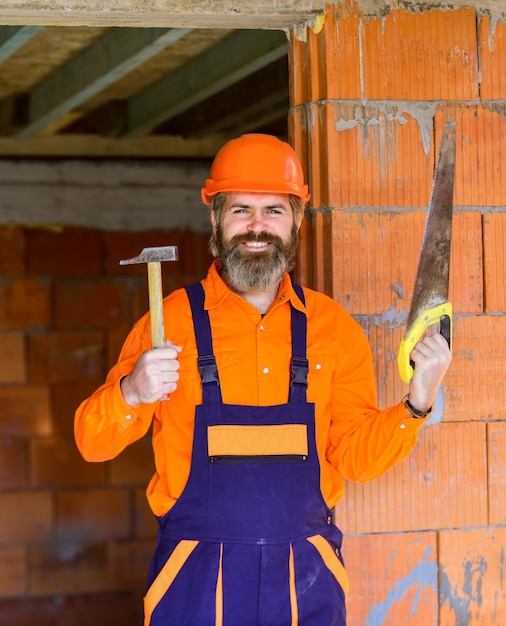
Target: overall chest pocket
{"x":258,"y":478}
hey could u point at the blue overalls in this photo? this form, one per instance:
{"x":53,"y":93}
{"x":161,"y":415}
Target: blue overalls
{"x":250,"y":540}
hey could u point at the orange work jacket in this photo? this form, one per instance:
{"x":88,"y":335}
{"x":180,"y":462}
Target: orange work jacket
{"x":355,"y":439}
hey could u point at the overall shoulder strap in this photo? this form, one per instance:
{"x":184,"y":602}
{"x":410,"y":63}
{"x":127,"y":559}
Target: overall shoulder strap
{"x":206,"y":361}
{"x":299,"y":362}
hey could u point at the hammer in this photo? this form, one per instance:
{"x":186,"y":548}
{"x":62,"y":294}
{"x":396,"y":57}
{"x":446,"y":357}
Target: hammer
{"x":154,"y":257}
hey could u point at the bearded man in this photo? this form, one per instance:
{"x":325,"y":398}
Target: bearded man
{"x":272,"y":404}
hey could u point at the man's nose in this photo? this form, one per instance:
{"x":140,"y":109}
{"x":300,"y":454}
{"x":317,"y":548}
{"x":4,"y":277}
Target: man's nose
{"x":257,"y":222}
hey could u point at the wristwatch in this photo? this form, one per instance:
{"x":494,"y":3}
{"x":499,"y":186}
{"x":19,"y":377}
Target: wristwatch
{"x":414,"y":412}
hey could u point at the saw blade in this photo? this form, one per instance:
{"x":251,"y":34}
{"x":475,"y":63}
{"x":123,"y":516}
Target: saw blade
{"x":429,"y":304}
{"x":432,"y":276}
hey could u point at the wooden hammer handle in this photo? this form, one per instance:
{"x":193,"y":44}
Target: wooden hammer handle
{"x":156,"y":304}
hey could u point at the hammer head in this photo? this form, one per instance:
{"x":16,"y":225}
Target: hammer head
{"x":153,"y":255}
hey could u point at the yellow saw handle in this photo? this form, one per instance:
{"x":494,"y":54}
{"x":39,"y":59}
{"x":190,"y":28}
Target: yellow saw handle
{"x":442,"y":314}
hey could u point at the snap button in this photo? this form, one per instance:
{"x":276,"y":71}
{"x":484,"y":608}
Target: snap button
{"x":265,"y":370}
{"x":128,"y":417}
{"x":403,"y":425}
{"x":318,"y":366}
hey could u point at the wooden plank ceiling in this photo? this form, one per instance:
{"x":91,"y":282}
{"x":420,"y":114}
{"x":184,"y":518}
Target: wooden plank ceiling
{"x":137,"y":92}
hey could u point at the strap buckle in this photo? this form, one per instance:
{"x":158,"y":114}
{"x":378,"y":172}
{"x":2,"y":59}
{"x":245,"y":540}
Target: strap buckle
{"x":299,"y":371}
{"x":208,"y":370}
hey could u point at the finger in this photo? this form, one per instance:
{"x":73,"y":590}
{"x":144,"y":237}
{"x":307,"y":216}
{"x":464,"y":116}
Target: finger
{"x":168,"y":377}
{"x":171,"y":344}
{"x":433,"y":343}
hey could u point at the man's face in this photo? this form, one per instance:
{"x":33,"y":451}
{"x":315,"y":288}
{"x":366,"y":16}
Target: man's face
{"x":255,"y":240}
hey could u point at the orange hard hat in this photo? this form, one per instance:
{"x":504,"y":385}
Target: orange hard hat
{"x":256,"y":163}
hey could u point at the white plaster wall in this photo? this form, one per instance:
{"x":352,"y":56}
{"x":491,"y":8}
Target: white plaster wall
{"x":126,"y":195}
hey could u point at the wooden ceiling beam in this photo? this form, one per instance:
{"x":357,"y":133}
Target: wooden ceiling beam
{"x":12,"y":38}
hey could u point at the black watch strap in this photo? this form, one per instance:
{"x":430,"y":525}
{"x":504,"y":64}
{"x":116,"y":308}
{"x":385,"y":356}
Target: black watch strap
{"x":415,"y":412}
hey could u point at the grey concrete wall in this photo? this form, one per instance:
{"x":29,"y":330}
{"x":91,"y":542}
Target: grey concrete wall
{"x":110,"y":195}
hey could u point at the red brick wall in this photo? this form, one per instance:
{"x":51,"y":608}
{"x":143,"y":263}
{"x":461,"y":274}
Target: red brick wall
{"x":369,"y":100}
{"x":76,"y":537}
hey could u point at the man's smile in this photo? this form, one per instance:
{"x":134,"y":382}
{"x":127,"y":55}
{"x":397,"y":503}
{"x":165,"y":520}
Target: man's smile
{"x":256,"y":245}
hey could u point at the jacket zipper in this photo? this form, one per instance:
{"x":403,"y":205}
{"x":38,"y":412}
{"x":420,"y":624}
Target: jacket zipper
{"x":258,"y":458}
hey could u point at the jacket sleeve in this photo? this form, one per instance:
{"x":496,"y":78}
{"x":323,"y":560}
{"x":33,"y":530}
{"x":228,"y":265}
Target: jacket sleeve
{"x":365,"y":441}
{"x":104,"y":424}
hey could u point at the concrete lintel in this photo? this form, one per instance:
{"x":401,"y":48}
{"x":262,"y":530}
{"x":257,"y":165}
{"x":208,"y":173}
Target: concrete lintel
{"x":178,"y":14}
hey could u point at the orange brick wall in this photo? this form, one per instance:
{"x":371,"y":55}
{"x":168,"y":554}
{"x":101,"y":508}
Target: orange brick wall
{"x":424,"y":543}
{"x":77,"y":537}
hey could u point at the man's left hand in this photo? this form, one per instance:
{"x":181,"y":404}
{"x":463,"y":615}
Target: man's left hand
{"x":431,"y":357}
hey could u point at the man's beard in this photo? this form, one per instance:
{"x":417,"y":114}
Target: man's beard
{"x":243,"y":270}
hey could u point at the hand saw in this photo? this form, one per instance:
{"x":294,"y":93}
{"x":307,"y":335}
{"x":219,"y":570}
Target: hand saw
{"x":429,"y":303}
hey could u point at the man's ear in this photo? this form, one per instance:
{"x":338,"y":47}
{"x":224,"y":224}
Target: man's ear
{"x":213,"y":220}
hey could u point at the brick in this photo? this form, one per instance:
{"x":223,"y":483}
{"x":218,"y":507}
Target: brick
{"x":13,"y":572}
{"x":25,"y":516}
{"x":28,"y":612}
{"x":439,"y":485}
{"x":381,"y":156}
{"x":145,"y":523}
{"x":66,"y":399}
{"x":66,"y":357}
{"x":496,"y":437}
{"x":474,"y":385}
{"x":376,"y":155}
{"x":472,"y":588}
{"x":135,"y":465}
{"x":93,"y":515}
{"x":12,"y":357}
{"x":25,"y":410}
{"x":385,"y":341}
{"x":494,"y":234}
{"x":12,"y":247}
{"x":466,"y":291}
{"x":65,"y":252}
{"x":139,"y":300}
{"x":115,"y":339}
{"x":333,"y":56}
{"x":492,"y":49}
{"x":102,"y":609}
{"x":129,"y":563}
{"x":481,"y":144}
{"x":13,"y":463}
{"x":393,"y":579}
{"x":374,"y":259}
{"x":304,"y":268}
{"x":56,"y":462}
{"x":375,"y":254}
{"x":195,"y":255}
{"x":93,"y":304}
{"x":128,"y":245}
{"x":421,"y":55}
{"x":24,"y":302}
{"x":67,"y":566}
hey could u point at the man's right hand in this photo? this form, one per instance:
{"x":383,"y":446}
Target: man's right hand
{"x":153,"y":377}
